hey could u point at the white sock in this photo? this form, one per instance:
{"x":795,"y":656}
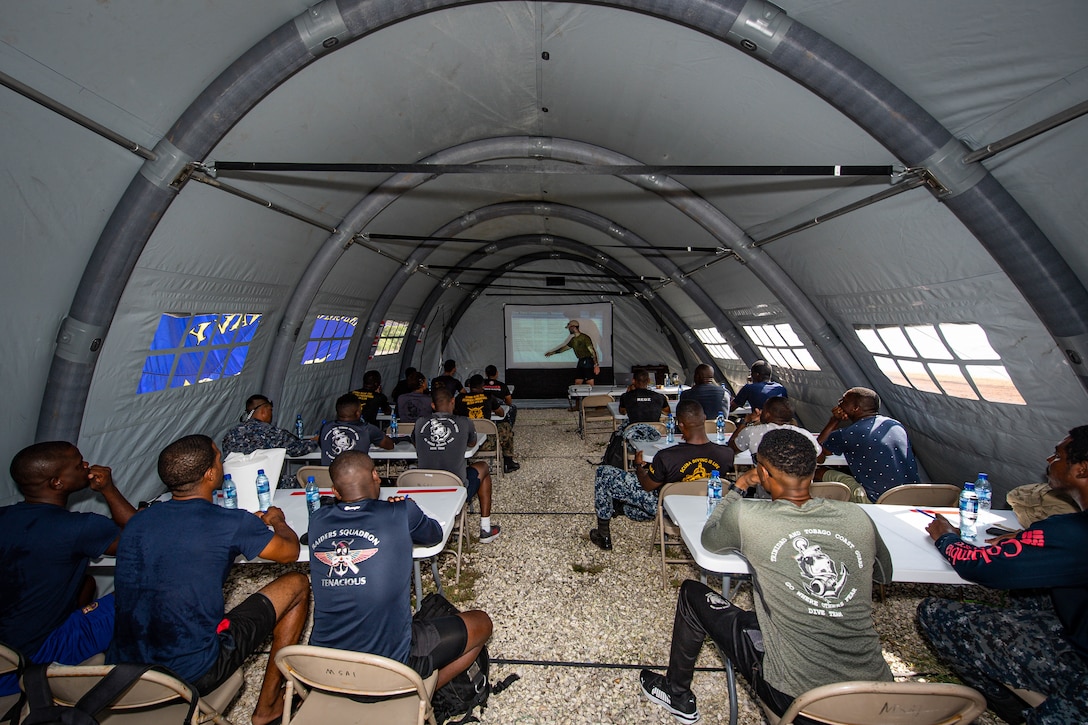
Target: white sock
{"x":485,"y":523}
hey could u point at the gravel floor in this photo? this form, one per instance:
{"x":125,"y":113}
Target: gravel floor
{"x":592,"y":618}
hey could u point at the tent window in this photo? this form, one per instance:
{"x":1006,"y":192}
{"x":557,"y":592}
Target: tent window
{"x":329,"y":340}
{"x":191,"y":349}
{"x":954,"y":359}
{"x":781,"y":346}
{"x":716,"y":344}
{"x":391,"y":337}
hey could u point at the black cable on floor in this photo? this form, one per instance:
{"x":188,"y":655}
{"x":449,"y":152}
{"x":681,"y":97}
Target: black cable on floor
{"x":591,"y":665}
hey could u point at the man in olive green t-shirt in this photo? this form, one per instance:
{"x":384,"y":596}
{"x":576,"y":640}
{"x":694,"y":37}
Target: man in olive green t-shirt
{"x":813,"y":563}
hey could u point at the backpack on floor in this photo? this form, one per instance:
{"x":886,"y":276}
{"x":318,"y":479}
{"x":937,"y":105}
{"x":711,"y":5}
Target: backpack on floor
{"x":469,"y":689}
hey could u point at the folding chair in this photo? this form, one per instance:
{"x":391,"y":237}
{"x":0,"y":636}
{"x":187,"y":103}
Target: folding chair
{"x":487,"y":428}
{"x":11,"y":663}
{"x":834,"y":490}
{"x":426,"y":477}
{"x":922,"y":494}
{"x":320,"y":474}
{"x":666,"y":533}
{"x":595,"y":410}
{"x":884,"y":703}
{"x":333,"y":684}
{"x":711,"y":428}
{"x":157,"y":697}
{"x":628,"y":455}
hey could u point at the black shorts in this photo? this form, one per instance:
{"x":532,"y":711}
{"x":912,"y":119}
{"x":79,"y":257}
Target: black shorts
{"x":247,"y":626}
{"x":585,"y":365}
{"x":436,"y":642}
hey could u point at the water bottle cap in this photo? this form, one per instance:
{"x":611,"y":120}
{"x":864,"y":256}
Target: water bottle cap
{"x":715,"y":474}
{"x":983,"y":476}
{"x":968,"y":485}
{"x":309,"y":479}
{"x":260,"y":471}
{"x":226,"y":477}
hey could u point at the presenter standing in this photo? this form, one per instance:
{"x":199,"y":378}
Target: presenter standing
{"x":588,"y":364}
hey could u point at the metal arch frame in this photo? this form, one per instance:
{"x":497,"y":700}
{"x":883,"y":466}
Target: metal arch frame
{"x":572,"y":251}
{"x":587,"y":218}
{"x":981,"y":203}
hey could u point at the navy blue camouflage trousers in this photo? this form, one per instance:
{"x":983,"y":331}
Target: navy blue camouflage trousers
{"x":615,"y":483}
{"x":1020,"y":645}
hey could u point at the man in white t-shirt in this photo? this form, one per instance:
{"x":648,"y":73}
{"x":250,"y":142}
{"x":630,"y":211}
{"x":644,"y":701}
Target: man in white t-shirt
{"x":776,"y":413}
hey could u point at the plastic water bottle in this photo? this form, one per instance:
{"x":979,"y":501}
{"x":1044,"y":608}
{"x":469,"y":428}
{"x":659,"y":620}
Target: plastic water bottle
{"x":393,"y":424}
{"x":670,"y":426}
{"x":230,"y":493}
{"x":299,"y":427}
{"x":968,"y":513}
{"x":985,"y":493}
{"x":713,"y":492}
{"x":721,"y":427}
{"x":313,"y":495}
{"x":264,"y":491}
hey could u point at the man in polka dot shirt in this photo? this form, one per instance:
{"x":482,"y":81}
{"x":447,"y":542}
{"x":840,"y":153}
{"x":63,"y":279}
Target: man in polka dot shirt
{"x":876,"y":447}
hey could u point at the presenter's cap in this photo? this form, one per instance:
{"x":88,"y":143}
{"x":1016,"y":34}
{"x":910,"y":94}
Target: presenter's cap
{"x":573,"y":323}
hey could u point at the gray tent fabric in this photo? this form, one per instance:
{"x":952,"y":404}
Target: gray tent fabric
{"x":101,"y":242}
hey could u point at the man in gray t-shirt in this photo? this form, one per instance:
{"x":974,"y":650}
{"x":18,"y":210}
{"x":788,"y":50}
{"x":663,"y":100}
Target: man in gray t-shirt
{"x":441,"y":440}
{"x":813,"y":562}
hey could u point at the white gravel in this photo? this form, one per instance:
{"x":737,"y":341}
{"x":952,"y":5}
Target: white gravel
{"x":556,"y":598}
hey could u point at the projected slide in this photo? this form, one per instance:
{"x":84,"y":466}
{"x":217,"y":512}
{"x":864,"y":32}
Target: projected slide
{"x":532,"y":330}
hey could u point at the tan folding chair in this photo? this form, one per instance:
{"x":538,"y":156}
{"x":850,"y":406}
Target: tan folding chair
{"x":711,"y":428}
{"x":320,"y":474}
{"x":922,"y":494}
{"x":154,"y":699}
{"x":666,"y":533}
{"x":884,"y":703}
{"x":834,"y":490}
{"x":628,"y":455}
{"x":595,"y":410}
{"x":427,"y":477}
{"x":11,"y":662}
{"x":331,"y":683}
{"x":488,"y":429}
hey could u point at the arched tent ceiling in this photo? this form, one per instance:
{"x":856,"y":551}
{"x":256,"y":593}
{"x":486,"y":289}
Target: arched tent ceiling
{"x":625,"y":78}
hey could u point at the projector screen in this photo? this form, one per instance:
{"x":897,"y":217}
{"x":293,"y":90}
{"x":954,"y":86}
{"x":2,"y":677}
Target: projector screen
{"x":532,"y":330}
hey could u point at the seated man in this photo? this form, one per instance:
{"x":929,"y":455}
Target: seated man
{"x":777,"y":413}
{"x":706,"y":392}
{"x":447,"y":379}
{"x":1032,"y":644}
{"x":416,"y":403}
{"x":441,"y":440}
{"x":171,"y":565}
{"x":502,"y":391}
{"x":642,"y":405}
{"x":256,"y":432}
{"x":691,"y":460}
{"x":813,"y":562}
{"x":760,"y":387}
{"x":402,"y":386}
{"x":876,"y":447}
{"x":47,"y":607}
{"x":478,"y":404}
{"x":365,"y":606}
{"x":348,"y":432}
{"x":372,"y":397}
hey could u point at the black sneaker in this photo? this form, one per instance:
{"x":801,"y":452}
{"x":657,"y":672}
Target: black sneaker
{"x":656,"y":689}
{"x":486,"y":537}
{"x":509,"y":465}
{"x":602,"y":540}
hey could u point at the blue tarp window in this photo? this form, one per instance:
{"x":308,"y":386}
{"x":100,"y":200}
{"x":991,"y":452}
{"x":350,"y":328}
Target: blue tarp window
{"x":191,"y":349}
{"x":330,"y":338}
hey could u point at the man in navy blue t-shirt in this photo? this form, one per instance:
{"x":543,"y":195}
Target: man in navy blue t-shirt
{"x":876,"y":447}
{"x":361,"y":569}
{"x":47,"y":610}
{"x":760,"y":387}
{"x":172,"y":561}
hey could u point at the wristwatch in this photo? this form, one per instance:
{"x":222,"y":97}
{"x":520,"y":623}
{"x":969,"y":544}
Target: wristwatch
{"x":734,"y":487}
